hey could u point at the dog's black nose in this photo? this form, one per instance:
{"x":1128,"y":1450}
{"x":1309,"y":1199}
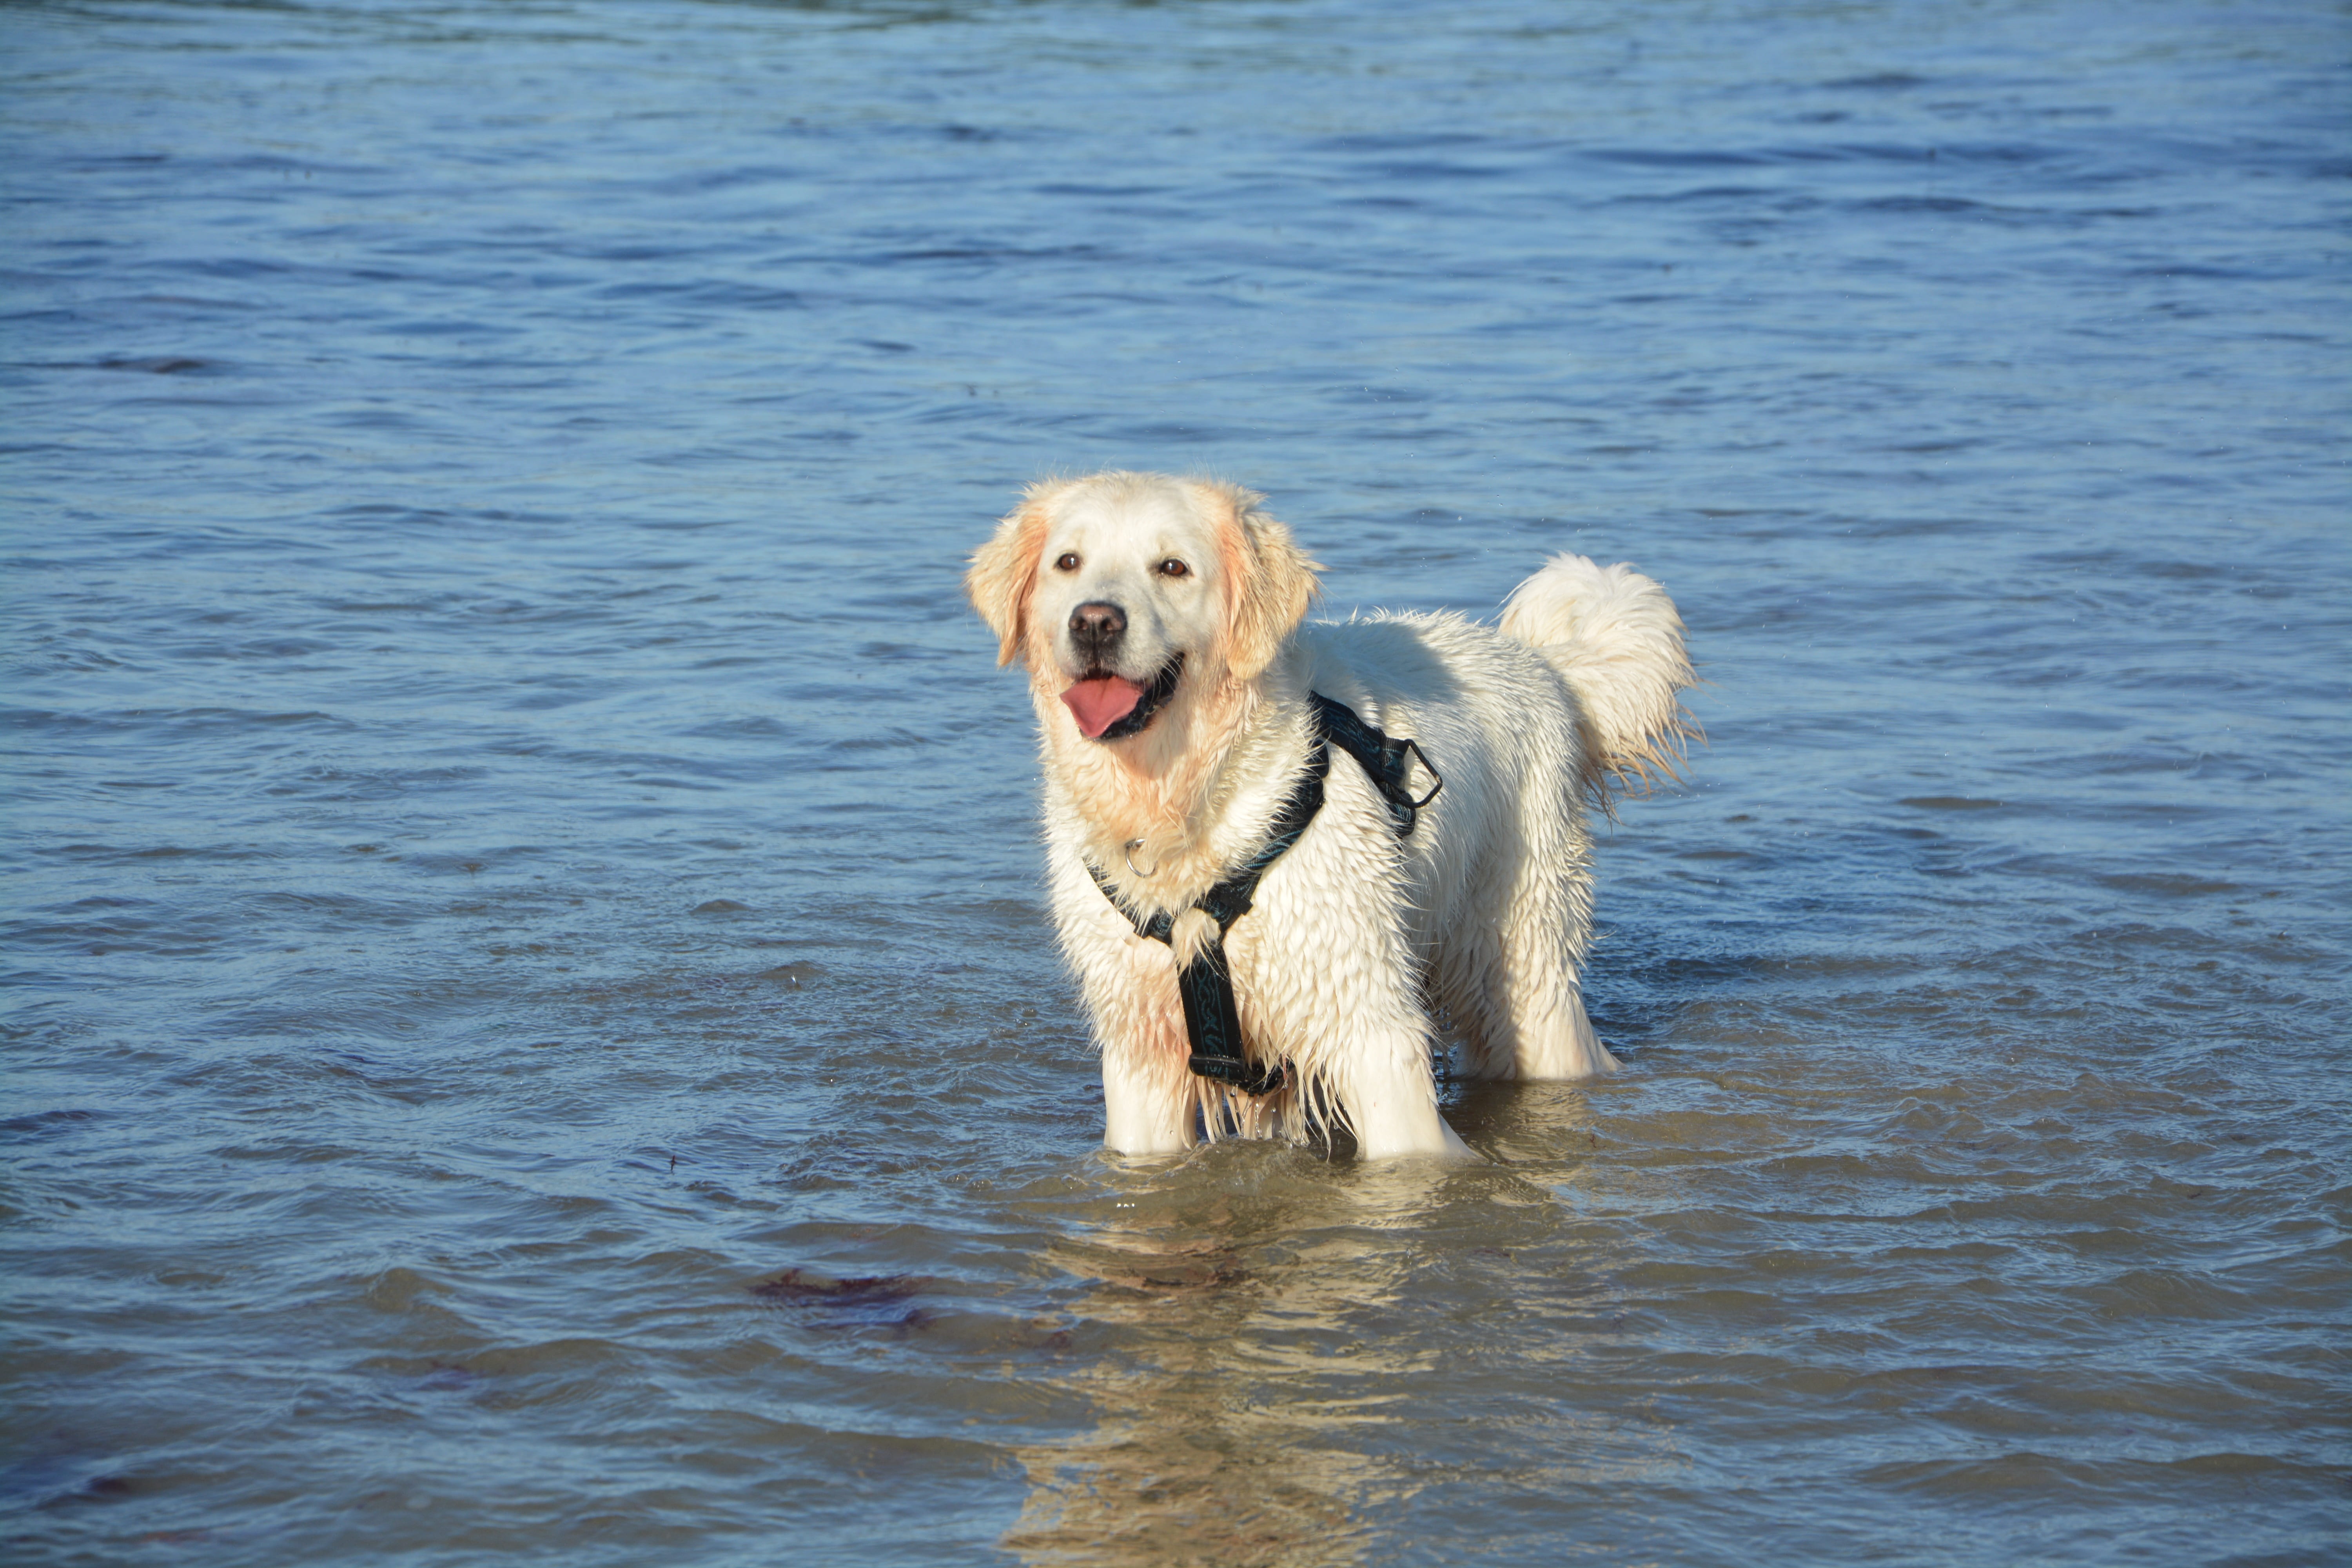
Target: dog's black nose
{"x":1095,"y":628}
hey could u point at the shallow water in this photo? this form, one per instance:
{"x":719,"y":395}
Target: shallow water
{"x":530,"y":1029}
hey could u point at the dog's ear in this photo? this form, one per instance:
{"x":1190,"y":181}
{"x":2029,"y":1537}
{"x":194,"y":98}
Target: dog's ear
{"x":1268,"y":579}
{"x":1004,"y":570}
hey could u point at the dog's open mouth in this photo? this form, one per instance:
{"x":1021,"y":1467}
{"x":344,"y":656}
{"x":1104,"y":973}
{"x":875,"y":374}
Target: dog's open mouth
{"x":1112,"y":708}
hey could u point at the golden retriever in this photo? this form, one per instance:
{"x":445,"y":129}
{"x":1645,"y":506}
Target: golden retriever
{"x":1161,"y":623}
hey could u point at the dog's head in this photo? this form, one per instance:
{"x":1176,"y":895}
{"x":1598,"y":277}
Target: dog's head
{"x":1122,"y":591}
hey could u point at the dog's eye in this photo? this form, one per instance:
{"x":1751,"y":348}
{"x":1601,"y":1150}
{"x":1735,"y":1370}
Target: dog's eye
{"x":1068,"y":563}
{"x":1174,"y":568}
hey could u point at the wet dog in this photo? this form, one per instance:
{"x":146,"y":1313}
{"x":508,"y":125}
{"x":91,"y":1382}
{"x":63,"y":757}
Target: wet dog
{"x":1163,"y":625}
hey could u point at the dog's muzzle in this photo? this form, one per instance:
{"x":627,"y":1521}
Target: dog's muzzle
{"x":1112,"y":708}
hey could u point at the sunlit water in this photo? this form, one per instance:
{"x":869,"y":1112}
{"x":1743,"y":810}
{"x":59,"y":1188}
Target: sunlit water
{"x":533,"y":1029}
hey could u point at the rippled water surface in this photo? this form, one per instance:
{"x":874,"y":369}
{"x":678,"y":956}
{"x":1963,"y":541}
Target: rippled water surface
{"x":531,"y":1030}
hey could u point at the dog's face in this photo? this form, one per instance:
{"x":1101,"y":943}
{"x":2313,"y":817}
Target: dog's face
{"x":1124,"y":591}
{"x":1128,"y":594}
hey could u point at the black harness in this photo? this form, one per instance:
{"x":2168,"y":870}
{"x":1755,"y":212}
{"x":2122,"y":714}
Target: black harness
{"x":1211,"y":1021}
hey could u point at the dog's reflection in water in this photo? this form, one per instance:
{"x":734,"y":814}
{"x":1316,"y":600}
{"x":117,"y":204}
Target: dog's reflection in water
{"x":1237,"y":1378}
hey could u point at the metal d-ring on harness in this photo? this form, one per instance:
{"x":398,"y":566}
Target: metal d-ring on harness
{"x":1211,"y":1021}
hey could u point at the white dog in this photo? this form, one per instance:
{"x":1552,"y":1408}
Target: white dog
{"x":1203,"y":748}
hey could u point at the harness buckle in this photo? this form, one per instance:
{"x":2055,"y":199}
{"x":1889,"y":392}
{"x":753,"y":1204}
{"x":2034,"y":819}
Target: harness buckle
{"x":1408,"y":745}
{"x":1248,"y":1077}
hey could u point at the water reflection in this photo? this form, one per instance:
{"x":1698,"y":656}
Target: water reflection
{"x":1241,"y":1290}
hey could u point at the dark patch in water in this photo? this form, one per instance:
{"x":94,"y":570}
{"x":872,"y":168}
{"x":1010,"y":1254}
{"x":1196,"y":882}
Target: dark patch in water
{"x":1878,"y":81}
{"x":1209,"y":1273}
{"x":865,"y":1302}
{"x":172,"y":365}
{"x":800,"y":1284}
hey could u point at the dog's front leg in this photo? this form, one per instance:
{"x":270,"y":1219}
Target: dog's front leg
{"x":1327,"y":963}
{"x":1141,"y":1114}
{"x":1391,"y":1098}
{"x":1150,"y":1104}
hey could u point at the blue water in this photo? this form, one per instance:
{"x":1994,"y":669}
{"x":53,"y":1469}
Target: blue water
{"x":530,"y":1027}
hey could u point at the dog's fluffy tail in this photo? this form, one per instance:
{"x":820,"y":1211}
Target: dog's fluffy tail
{"x":1613,"y":636}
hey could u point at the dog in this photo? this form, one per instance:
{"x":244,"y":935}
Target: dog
{"x":1401,"y":800}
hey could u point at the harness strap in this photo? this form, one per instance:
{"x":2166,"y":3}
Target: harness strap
{"x":1387,"y":762}
{"x":1212,"y":1022}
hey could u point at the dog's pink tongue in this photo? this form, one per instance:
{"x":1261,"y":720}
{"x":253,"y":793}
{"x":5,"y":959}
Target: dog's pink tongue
{"x":1101,"y":703}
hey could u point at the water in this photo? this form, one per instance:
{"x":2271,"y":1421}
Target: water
{"x":517,"y":846}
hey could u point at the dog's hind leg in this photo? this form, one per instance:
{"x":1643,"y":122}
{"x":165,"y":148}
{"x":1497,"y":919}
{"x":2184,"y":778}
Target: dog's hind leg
{"x":1510,"y":984}
{"x":1522,"y":1016}
{"x":1550,"y":1033}
{"x":1469,"y":982}
{"x":1556,"y":1038}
